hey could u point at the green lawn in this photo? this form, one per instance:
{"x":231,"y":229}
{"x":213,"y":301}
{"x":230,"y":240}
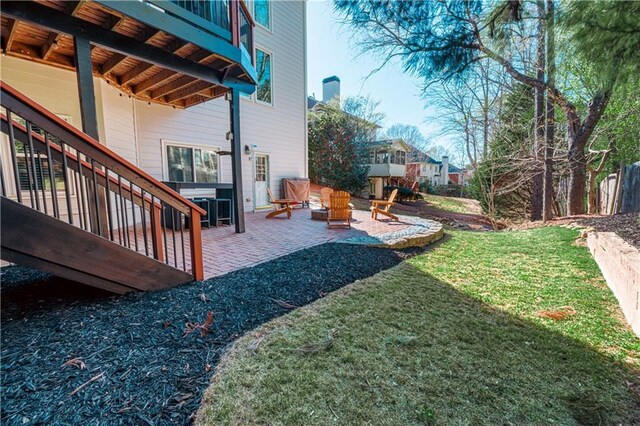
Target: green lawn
{"x":452,"y":336}
{"x":450,"y":204}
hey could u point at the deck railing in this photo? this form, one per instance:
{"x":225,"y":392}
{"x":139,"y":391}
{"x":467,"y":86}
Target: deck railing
{"x":216,"y":12}
{"x":50,"y":166}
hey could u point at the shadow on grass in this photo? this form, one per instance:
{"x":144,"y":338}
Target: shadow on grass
{"x":413,"y":349}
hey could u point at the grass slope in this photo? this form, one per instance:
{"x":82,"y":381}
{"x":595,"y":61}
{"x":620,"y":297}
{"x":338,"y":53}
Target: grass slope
{"x":451,"y":204}
{"x":448,"y":337}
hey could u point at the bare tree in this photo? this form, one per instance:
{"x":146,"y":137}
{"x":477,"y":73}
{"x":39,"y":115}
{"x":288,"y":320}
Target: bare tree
{"x":441,"y":39}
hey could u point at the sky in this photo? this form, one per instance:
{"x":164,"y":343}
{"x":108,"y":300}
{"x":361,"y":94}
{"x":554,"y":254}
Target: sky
{"x":331,"y":51}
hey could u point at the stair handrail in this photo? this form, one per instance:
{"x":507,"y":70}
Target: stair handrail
{"x":20,"y":104}
{"x":30,"y":110}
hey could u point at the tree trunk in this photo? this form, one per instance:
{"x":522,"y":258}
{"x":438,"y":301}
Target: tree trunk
{"x":577,"y":170}
{"x":592,"y":191}
{"x":548,"y":198}
{"x":537,"y":186}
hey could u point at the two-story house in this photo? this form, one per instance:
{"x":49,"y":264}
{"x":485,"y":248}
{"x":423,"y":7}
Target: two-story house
{"x":436,"y":172}
{"x":387,"y":164}
{"x":207,"y":95}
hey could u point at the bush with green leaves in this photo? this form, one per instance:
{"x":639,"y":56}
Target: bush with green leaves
{"x":338,"y":154}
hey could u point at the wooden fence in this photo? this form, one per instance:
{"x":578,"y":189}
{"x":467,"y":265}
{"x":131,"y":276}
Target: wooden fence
{"x":621,"y":194}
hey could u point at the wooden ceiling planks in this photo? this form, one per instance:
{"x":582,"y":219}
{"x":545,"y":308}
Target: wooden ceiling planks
{"x":137,"y":78}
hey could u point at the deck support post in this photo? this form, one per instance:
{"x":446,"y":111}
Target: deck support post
{"x":236,"y":160}
{"x":89,"y":116}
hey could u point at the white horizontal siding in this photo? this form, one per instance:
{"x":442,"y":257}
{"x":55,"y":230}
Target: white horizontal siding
{"x":135,"y":130}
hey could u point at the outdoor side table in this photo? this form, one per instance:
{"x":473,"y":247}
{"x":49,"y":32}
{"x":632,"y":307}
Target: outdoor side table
{"x":224,"y":210}
{"x":205,"y":220}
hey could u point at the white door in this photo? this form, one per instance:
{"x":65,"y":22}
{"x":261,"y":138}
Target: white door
{"x":261,"y":181}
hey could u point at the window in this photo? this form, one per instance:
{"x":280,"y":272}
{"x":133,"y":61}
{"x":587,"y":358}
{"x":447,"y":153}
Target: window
{"x":263,"y":67}
{"x":28,"y":161}
{"x":262,"y":13}
{"x":39,"y":162}
{"x":186,"y":164}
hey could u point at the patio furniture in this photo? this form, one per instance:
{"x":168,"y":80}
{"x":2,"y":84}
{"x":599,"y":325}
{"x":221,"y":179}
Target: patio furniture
{"x":324,"y":196}
{"x":339,"y":209}
{"x":296,"y":189}
{"x":224,"y":210}
{"x":204,"y":205}
{"x":280,"y":206}
{"x":220,"y":210}
{"x":383,"y":206}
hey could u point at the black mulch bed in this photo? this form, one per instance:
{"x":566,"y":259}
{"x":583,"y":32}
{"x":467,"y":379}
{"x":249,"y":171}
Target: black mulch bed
{"x":627,"y":226}
{"x":145,"y":370}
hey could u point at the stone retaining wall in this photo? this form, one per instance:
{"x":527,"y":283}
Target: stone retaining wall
{"x":620,"y":265}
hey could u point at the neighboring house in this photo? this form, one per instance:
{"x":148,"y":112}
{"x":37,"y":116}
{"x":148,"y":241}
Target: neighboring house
{"x":431,"y":170}
{"x":387,"y":158}
{"x":387,"y":164}
{"x":208,"y":94}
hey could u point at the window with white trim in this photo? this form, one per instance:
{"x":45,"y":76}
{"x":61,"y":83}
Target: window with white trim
{"x":262,"y":13}
{"x":191,"y":164}
{"x":263,"y":68}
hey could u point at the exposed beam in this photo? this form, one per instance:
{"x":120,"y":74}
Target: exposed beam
{"x":171,"y":87}
{"x":57,"y":21}
{"x":164,"y":75}
{"x":73,"y":7}
{"x":50,"y":45}
{"x":113,"y":22}
{"x":187,"y":91}
{"x":133,"y":73}
{"x":117,"y":58}
{"x":12,"y":24}
{"x":31,"y":53}
{"x":198,"y":56}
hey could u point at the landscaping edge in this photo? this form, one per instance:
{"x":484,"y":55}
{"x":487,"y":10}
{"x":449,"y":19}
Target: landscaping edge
{"x":619,"y":262}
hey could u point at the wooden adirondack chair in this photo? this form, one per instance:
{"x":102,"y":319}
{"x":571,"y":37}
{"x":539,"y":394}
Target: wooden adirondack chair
{"x":280,"y":206}
{"x":339,"y":209}
{"x":325,"y":193}
{"x":383,"y":206}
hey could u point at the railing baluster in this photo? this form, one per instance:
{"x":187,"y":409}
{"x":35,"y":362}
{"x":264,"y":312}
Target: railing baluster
{"x":184,"y":259}
{"x":4,"y":186}
{"x":123,"y":212}
{"x":96,"y":199}
{"x":144,"y":222}
{"x":133,"y":214}
{"x":28,"y":160}
{"x":155,"y":213}
{"x":52,"y":177}
{"x":163,"y":220}
{"x":65,"y":176}
{"x":81,"y":204}
{"x":42,"y":183}
{"x":173,"y":233}
{"x":118,"y":213}
{"x":108,"y":197}
{"x":14,"y":157}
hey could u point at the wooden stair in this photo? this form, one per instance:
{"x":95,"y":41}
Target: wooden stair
{"x":33,"y":239}
{"x":73,"y":208}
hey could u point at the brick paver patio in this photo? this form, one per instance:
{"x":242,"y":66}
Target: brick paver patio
{"x":266,"y":239}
